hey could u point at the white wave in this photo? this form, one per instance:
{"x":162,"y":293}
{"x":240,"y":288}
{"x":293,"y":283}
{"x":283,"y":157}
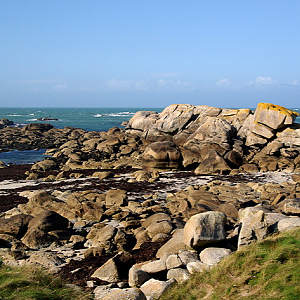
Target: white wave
{"x":98,"y":115}
{"x":30,"y":120}
{"x":14,"y":115}
{"x":31,"y":114}
{"x":121,"y":114}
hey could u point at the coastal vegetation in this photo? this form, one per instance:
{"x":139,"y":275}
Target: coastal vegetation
{"x":32,"y":283}
{"x":262,"y":270}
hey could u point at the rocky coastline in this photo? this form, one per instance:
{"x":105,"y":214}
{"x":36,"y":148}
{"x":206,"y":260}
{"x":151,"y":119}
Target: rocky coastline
{"x":131,"y":211}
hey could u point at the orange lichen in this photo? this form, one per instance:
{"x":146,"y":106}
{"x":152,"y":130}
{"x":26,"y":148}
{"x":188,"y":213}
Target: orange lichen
{"x":279,"y":108}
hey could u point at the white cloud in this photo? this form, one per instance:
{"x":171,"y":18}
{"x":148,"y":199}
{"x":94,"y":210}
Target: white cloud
{"x":224,"y":82}
{"x":119,"y":84}
{"x":147,"y":84}
{"x":265,"y":80}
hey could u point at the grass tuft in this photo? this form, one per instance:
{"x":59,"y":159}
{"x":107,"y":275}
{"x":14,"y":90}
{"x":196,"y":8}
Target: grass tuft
{"x":264,"y":270}
{"x":31,"y":283}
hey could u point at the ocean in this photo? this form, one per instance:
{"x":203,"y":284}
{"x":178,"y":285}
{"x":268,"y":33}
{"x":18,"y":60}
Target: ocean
{"x":90,"y":119}
{"x":98,"y":119}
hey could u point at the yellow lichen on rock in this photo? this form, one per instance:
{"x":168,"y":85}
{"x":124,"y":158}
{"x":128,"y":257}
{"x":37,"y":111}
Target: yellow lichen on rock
{"x":279,"y":108}
{"x":274,"y":116}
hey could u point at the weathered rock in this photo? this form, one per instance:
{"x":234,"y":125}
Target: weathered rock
{"x":115,"y":268}
{"x":162,"y":155}
{"x":213,"y":163}
{"x":155,"y":266}
{"x":157,"y":217}
{"x":142,"y":120}
{"x":37,"y":127}
{"x":180,"y":275}
{"x":197,"y":267}
{"x":37,"y":238}
{"x":103,"y":174}
{"x":45,"y":165}
{"x":213,"y":131}
{"x":122,"y":294}
{"x":212,"y":256}
{"x":292,"y":207}
{"x":39,"y":227}
{"x":204,"y":228}
{"x":288,"y":224}
{"x":252,"y":226}
{"x":48,"y":221}
{"x":136,"y":277}
{"x":163,"y":226}
{"x":155,"y":288}
{"x":93,"y":252}
{"x":173,"y":245}
{"x":187,"y":256}
{"x":274,"y":116}
{"x":116,"y":198}
{"x":49,"y":261}
{"x":272,"y":220}
{"x":15,"y":225}
{"x":173,"y":261}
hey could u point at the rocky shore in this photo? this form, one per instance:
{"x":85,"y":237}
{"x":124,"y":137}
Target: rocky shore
{"x":129,"y":212}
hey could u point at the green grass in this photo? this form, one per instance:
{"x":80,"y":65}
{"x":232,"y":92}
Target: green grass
{"x":24,"y":283}
{"x":266,"y":270}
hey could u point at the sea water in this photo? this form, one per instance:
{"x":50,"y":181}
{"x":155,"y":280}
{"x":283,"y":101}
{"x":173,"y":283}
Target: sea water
{"x":90,"y":119}
{"x":98,"y":119}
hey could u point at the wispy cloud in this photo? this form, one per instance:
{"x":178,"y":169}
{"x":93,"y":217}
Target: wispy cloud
{"x":147,"y":84}
{"x":60,"y":87}
{"x":260,"y":82}
{"x":265,"y":80}
{"x":224,"y":82}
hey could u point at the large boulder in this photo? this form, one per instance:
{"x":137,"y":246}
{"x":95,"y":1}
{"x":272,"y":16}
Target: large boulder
{"x":48,"y":221}
{"x":142,"y":120}
{"x":274,"y":116}
{"x":214,"y":131}
{"x":212,"y":255}
{"x":115,"y":269}
{"x":137,"y":277}
{"x":37,"y":127}
{"x":16,"y":225}
{"x":253,"y":226}
{"x":111,"y":238}
{"x":153,"y":288}
{"x":204,"y":228}
{"x":174,"y":117}
{"x":40,"y":228}
{"x":267,"y":120}
{"x":173,"y":246}
{"x":116,"y":198}
{"x":288,"y":224}
{"x":213,"y":163}
{"x":162,"y":155}
{"x":179,"y":274}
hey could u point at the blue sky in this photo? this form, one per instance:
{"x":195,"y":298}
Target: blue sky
{"x":150,"y":53}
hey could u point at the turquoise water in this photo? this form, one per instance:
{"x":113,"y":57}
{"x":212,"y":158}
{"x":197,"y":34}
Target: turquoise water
{"x":90,"y":119}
